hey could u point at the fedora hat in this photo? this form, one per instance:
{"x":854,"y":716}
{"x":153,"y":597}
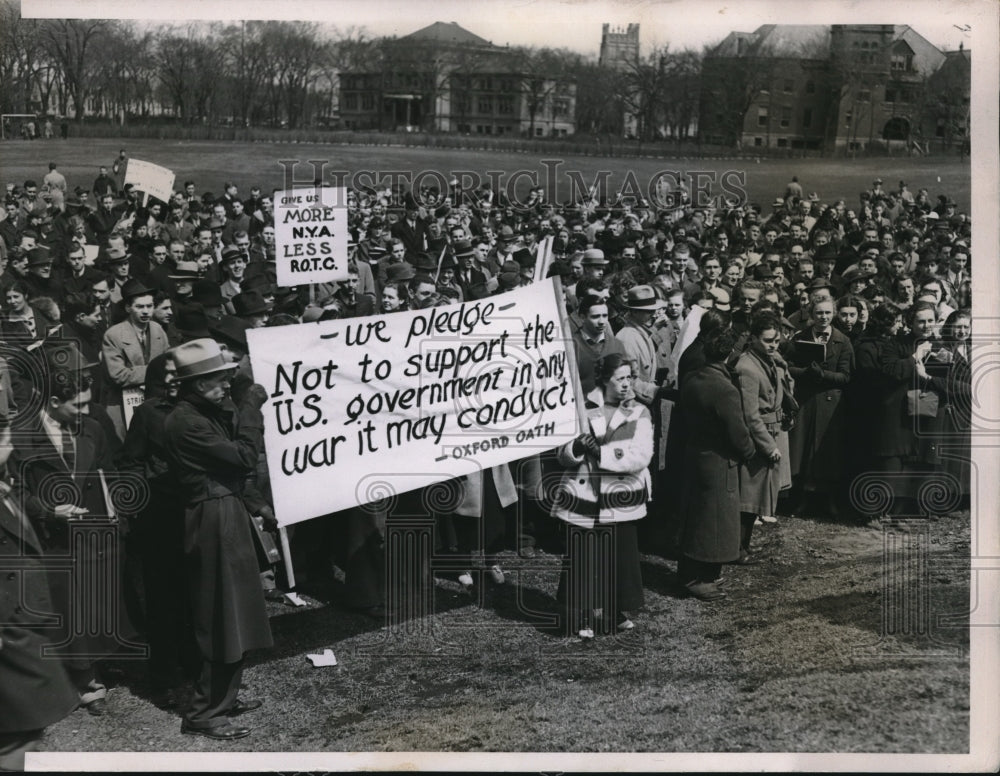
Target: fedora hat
{"x":643,"y":298}
{"x":508,"y":280}
{"x":524,"y":257}
{"x":216,"y":223}
{"x":192,"y":322}
{"x":463,"y":248}
{"x":721,"y":297}
{"x":115,"y":253}
{"x":398,"y":273}
{"x":424,"y":262}
{"x":198,"y":358}
{"x":134,"y":288}
{"x":231,"y":252}
{"x":230,"y":330}
{"x":186,"y":270}
{"x":38,"y":256}
{"x":66,"y":355}
{"x":818,"y":283}
{"x":250,"y":303}
{"x":594,"y":257}
{"x":506,"y":234}
{"x":207,"y":293}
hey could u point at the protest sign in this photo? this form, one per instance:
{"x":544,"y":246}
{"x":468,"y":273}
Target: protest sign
{"x":361,"y":409}
{"x":310,"y":232}
{"x":131,"y":399}
{"x":153,"y":180}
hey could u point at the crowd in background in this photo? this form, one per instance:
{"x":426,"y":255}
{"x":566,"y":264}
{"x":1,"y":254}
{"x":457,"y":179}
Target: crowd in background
{"x":742,"y":363}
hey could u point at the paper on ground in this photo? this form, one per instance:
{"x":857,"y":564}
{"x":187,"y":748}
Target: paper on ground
{"x":326,"y":659}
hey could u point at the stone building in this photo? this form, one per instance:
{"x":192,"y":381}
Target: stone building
{"x":444,"y":78}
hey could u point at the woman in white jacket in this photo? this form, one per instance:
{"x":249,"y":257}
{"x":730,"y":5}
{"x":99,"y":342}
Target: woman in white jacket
{"x":602,"y":493}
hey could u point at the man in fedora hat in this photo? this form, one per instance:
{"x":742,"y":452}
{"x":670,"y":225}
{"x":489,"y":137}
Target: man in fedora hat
{"x":39,"y":278}
{"x":116,"y":264}
{"x":594,"y":263}
{"x":642,"y":305}
{"x":213,"y":446}
{"x":468,"y":275}
{"x":251,"y":308}
{"x":127,"y":348}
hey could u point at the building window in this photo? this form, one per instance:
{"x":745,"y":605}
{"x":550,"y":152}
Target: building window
{"x":890,"y":95}
{"x":351,"y":102}
{"x":786,"y":116}
{"x":762,"y":117}
{"x":758,"y":141}
{"x":560,"y":107}
{"x":484,"y":104}
{"x":505,"y":105}
{"x":807,"y":117}
{"x":810,"y":87}
{"x":506,"y":85}
{"x":789,"y":85}
{"x":539,"y":131}
{"x":782,"y":142}
{"x":367,"y":102}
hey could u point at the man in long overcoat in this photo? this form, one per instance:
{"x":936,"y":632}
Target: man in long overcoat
{"x":817,"y":440}
{"x":213,"y":446}
{"x":718,"y":442}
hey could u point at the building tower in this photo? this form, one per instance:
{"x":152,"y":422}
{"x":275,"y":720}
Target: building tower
{"x":619,"y":46}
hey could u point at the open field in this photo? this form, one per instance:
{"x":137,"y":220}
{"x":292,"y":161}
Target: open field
{"x":796,"y":659}
{"x":209,"y":164}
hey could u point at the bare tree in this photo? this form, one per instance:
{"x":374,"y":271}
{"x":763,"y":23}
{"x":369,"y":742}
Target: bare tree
{"x":71,"y":44}
{"x":22,"y":58}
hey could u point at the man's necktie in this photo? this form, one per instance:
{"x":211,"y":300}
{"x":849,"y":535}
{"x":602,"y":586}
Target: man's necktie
{"x":68,"y":453}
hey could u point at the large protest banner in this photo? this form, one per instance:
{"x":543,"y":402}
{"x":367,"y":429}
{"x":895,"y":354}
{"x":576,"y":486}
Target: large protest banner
{"x":310,"y":233}
{"x":151,"y":179}
{"x":363,"y":408}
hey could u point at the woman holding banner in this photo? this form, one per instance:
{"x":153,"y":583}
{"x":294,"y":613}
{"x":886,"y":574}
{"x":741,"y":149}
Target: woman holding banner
{"x":603,"y":492}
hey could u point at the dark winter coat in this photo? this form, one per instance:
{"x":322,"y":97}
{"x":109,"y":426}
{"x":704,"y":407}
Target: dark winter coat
{"x":717,"y":441}
{"x":213,"y":451}
{"x":816,"y":441}
{"x":34,"y":691}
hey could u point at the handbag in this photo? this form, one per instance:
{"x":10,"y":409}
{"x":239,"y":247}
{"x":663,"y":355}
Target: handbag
{"x":922,"y":404}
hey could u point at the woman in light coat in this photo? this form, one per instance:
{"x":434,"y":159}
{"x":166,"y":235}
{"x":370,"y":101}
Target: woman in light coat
{"x":601,"y":496}
{"x":763,"y":380}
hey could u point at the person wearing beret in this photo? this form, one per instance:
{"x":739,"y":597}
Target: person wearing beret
{"x":128,"y":346}
{"x":34,"y":691}
{"x":213,"y":445}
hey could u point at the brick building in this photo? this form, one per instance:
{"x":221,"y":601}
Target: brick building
{"x":816,"y":87}
{"x":444,"y":78}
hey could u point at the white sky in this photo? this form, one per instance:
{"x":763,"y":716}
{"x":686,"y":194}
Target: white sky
{"x":574,"y":24}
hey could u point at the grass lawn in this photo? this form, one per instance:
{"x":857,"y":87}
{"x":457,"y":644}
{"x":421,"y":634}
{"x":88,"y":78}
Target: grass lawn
{"x":796,"y":659}
{"x":210,"y":164}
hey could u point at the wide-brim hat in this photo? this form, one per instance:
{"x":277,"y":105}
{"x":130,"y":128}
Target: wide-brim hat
{"x":216,"y":223}
{"x":594,"y":257}
{"x":231,"y":252}
{"x":817,"y":283}
{"x":506,"y":234}
{"x":643,"y":298}
{"x":198,"y":358}
{"x":115,"y":254}
{"x":524,"y":257}
{"x":186,"y":270}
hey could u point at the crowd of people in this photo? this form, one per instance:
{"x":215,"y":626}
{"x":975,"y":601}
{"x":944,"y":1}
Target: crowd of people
{"x":741,"y":364}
